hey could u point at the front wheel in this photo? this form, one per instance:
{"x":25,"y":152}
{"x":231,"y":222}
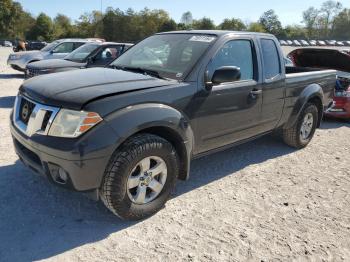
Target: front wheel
{"x":140,"y":177}
{"x":301,"y":133}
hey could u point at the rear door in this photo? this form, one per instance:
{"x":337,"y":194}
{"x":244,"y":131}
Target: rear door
{"x":273,"y":84}
{"x":230,"y":111}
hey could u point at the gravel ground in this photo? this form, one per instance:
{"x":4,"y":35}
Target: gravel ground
{"x":261,"y":201}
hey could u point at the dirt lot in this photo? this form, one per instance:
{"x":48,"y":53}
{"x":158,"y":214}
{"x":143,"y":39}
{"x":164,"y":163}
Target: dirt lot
{"x":261,"y":201}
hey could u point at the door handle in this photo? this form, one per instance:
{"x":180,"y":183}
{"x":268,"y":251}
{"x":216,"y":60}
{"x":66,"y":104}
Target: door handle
{"x":256,"y":92}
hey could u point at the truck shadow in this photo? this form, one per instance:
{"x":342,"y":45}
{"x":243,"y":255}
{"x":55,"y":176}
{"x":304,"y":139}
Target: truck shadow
{"x":39,"y":220}
{"x":7,"y":101}
{"x":11,"y":76}
{"x":332,"y":123}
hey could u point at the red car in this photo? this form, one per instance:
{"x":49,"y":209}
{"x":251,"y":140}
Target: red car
{"x":341,"y":101}
{"x":329,"y":59}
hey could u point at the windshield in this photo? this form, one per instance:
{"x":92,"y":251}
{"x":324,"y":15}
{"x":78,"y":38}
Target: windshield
{"x":170,"y":55}
{"x":79,"y":55}
{"x":49,"y":47}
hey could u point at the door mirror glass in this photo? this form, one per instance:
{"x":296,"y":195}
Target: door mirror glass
{"x":226,"y":74}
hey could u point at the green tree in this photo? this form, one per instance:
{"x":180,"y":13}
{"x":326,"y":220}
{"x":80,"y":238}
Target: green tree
{"x":341,"y":25}
{"x":329,"y":10}
{"x":187,"y":18}
{"x":256,"y":27}
{"x":43,"y":28}
{"x":14,"y":22}
{"x":310,"y":17}
{"x":90,"y":25}
{"x":167,"y":26}
{"x":63,"y":27}
{"x":232,"y":24}
{"x":295,"y":32}
{"x":270,"y":22}
{"x":203,"y":24}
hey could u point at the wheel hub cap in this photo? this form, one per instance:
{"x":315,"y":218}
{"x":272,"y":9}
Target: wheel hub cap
{"x":146,"y":181}
{"x":306,"y":127}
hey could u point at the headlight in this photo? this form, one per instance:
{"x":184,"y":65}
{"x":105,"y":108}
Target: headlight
{"x":70,"y":123}
{"x":14,"y":56}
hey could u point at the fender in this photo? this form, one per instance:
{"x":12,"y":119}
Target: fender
{"x":160,"y":119}
{"x":310,"y":92}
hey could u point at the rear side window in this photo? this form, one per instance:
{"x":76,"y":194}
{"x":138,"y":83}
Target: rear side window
{"x":66,"y":47}
{"x":234,"y":53}
{"x":272,"y":65}
{"x":78,"y":44}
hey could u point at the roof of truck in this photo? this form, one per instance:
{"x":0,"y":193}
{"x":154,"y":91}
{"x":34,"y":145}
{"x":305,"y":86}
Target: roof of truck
{"x":216,"y":32}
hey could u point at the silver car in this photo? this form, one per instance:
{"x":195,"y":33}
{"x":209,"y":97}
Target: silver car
{"x":57,"y":49}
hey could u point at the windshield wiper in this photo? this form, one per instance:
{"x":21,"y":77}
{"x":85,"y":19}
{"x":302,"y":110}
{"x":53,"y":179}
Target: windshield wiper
{"x":140,"y":70}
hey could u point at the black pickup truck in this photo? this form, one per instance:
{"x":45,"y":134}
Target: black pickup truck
{"x":128,"y":132}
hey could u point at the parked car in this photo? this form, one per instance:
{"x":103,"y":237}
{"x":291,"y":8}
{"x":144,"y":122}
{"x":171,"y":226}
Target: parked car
{"x":129,"y":131}
{"x":339,"y":43}
{"x":321,"y":43}
{"x":57,"y":49}
{"x":347,"y":43}
{"x":331,"y":42}
{"x":329,"y":59}
{"x":5,"y":43}
{"x":304,"y":43}
{"x":313,"y":42}
{"x":283,"y":43}
{"x":296,"y":43}
{"x":290,"y":42}
{"x":35,"y":45}
{"x":340,"y":107}
{"x":97,"y":54}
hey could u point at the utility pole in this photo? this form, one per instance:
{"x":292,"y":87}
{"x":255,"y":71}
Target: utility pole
{"x":101,"y":8}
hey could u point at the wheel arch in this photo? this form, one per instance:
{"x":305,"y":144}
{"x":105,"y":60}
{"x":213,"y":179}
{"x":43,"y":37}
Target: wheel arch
{"x":311,"y":94}
{"x":177,"y":141}
{"x":160,"y":120}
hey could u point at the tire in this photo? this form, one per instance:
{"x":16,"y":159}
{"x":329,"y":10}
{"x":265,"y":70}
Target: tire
{"x":125,"y":162}
{"x":293,"y":136}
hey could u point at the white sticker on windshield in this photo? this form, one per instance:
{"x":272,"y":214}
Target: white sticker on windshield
{"x":202,"y":38}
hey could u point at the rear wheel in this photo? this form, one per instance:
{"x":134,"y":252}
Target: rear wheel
{"x":301,"y":133}
{"x":140,"y":177}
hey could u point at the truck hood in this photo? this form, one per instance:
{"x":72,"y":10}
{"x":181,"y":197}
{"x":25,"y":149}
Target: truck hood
{"x":74,"y":89}
{"x":53,"y":64}
{"x":321,"y":58}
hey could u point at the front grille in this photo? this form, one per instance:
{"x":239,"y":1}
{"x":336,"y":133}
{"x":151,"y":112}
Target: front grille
{"x":31,"y":72}
{"x":31,"y":117}
{"x":25,"y":110}
{"x":46,"y":120}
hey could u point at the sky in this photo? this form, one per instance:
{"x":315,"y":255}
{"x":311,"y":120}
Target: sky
{"x":289,"y":12}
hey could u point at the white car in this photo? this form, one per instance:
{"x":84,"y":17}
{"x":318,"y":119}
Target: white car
{"x":313,"y":42}
{"x":57,"y":49}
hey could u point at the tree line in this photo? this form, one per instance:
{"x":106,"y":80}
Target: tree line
{"x":330,"y":20}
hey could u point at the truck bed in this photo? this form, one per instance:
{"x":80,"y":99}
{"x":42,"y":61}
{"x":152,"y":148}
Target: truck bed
{"x":297,"y":78}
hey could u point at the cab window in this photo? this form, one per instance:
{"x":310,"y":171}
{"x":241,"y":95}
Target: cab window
{"x":272,"y":64}
{"x":237,"y":53}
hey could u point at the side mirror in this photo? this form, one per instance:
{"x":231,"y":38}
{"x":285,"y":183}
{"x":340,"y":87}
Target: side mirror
{"x":226,"y":74}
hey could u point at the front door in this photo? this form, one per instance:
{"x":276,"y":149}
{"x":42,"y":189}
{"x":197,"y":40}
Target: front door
{"x":230,"y":111}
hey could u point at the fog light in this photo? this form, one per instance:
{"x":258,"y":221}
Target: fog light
{"x":62,"y":174}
